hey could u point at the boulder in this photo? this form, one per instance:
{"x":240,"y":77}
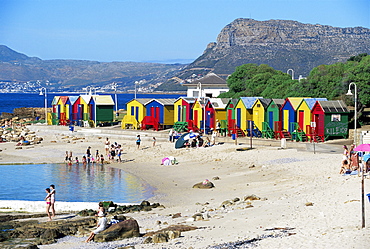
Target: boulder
{"x":122,"y":230}
{"x":203,"y":185}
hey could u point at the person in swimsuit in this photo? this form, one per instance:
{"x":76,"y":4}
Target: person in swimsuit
{"x":48,"y":202}
{"x":102,"y":223}
{"x":106,"y":146}
{"x":52,"y":199}
{"x":138,"y":141}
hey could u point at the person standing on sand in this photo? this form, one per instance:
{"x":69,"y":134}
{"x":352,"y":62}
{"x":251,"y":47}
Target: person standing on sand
{"x":106,"y":146}
{"x":48,"y":202}
{"x":138,"y":141}
{"x":170,"y":135}
{"x":51,"y":195}
{"x":154,"y":141}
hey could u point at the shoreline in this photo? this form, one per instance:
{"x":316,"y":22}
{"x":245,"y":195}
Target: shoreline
{"x":296,"y":189}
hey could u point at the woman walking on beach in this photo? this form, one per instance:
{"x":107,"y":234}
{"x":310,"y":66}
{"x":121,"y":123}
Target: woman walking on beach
{"x":48,"y":202}
{"x":52,"y":199}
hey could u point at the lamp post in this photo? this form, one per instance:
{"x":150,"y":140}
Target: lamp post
{"x":136,"y":83}
{"x":114,"y":86}
{"x":350,"y":93}
{"x":44,"y":92}
{"x":292,"y":72}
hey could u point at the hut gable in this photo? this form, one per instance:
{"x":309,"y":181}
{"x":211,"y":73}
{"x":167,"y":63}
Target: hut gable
{"x":248,"y":102}
{"x":335,"y":106}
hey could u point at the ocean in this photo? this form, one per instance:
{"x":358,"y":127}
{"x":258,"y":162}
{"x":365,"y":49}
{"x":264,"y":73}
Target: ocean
{"x":9,"y":101}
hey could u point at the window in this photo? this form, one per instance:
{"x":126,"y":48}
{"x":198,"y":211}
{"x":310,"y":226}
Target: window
{"x":335,"y":117}
{"x":209,"y":95}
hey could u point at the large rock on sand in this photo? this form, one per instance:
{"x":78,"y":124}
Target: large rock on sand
{"x":204,"y":185}
{"x":122,"y":230}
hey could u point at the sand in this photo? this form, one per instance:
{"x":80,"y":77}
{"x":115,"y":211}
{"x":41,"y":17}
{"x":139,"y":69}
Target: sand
{"x":299,"y":190}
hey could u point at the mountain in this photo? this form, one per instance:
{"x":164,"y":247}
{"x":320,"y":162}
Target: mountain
{"x":282,"y":44}
{"x":18,"y":72}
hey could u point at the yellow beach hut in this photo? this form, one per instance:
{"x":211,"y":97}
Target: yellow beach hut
{"x":259,"y":112}
{"x":244,"y":111}
{"x":136,"y":112}
{"x":304,"y":115}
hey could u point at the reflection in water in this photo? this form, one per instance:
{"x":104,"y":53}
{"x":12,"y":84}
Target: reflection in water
{"x":90,"y":183}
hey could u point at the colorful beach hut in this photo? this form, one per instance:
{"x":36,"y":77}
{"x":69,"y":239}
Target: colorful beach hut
{"x":159,"y":112}
{"x":329,"y":120}
{"x":136,"y":111}
{"x":101,"y":108}
{"x":288,"y":113}
{"x":259,"y":112}
{"x":272,"y":122}
{"x":55,"y":110}
{"x":63,"y":109}
{"x":81,"y":108}
{"x":244,"y":111}
{"x":183,"y":113}
{"x":72,"y":116}
{"x":304,"y":114}
{"x":199,"y":112}
{"x":230,"y":114}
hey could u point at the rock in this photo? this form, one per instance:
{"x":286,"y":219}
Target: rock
{"x":49,"y":236}
{"x":226,"y":203}
{"x":148,"y":240}
{"x":309,"y":204}
{"x":145,"y":203}
{"x":121,"y":230}
{"x":160,"y":238}
{"x":216,"y":178}
{"x":177,"y":215}
{"x":251,"y":198}
{"x":203,"y":185}
{"x":236,"y":199}
{"x":198,"y":217}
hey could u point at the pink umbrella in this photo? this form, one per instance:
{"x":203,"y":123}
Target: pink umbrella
{"x":362,"y":147}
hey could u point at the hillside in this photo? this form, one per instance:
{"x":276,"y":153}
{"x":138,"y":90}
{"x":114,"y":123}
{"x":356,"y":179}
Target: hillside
{"x":18,"y":71}
{"x":282,"y":44}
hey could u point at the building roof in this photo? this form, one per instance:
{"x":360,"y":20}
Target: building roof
{"x":103,"y":99}
{"x":249,"y":101}
{"x":86,"y":98}
{"x":265,"y":102}
{"x":73,"y":99}
{"x":219,"y":103}
{"x":311,"y":101}
{"x":163,"y":101}
{"x":55,"y":100}
{"x":333,"y":106}
{"x":210,"y":79}
{"x":142,"y":101}
{"x":279,"y":102}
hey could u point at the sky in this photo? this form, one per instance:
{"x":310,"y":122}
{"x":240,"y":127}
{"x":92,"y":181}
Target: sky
{"x":166,"y":31}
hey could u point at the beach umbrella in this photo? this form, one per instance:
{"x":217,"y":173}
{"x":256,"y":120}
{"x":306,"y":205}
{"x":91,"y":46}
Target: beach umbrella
{"x":185,"y":137}
{"x":362,"y":147}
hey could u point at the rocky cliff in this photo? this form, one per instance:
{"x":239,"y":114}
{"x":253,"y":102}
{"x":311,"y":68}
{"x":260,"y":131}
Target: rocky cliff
{"x":282,"y":44}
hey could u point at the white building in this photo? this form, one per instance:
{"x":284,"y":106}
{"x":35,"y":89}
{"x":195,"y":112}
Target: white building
{"x":209,"y":86}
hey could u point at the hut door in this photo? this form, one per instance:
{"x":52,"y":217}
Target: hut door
{"x":179,"y":113}
{"x":271,"y":119}
{"x":79,"y":112}
{"x":285,"y":119}
{"x":137,"y":113}
{"x":301,"y":119}
{"x":238,"y":117}
{"x":196,"y":118}
{"x":184,"y":111}
{"x":319,"y":119}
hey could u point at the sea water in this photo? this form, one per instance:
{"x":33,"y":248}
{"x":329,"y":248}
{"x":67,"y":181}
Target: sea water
{"x":74,"y":183}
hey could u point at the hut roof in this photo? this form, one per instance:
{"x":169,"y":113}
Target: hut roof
{"x":103,"y":100}
{"x":311,"y":101}
{"x":249,"y":101}
{"x":55,"y":100}
{"x":73,"y":99}
{"x":164,"y":101}
{"x":219,"y":103}
{"x":265,"y":102}
{"x":279,"y":102}
{"x":142,"y":101}
{"x":64,"y":99}
{"x":333,"y":106}
{"x":86,"y":98}
{"x":295,"y":102}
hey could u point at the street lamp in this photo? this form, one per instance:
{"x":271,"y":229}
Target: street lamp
{"x":292,"y":72}
{"x":114,"y":86}
{"x":350,"y":93}
{"x":43,"y":92}
{"x":136,"y":83}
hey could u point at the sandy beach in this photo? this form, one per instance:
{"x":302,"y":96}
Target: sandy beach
{"x":303,"y":200}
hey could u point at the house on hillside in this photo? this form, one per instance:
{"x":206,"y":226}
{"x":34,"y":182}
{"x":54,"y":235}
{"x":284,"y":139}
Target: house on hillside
{"x":209,"y":86}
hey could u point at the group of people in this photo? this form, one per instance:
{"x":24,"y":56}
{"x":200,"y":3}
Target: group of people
{"x":351,"y":161}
